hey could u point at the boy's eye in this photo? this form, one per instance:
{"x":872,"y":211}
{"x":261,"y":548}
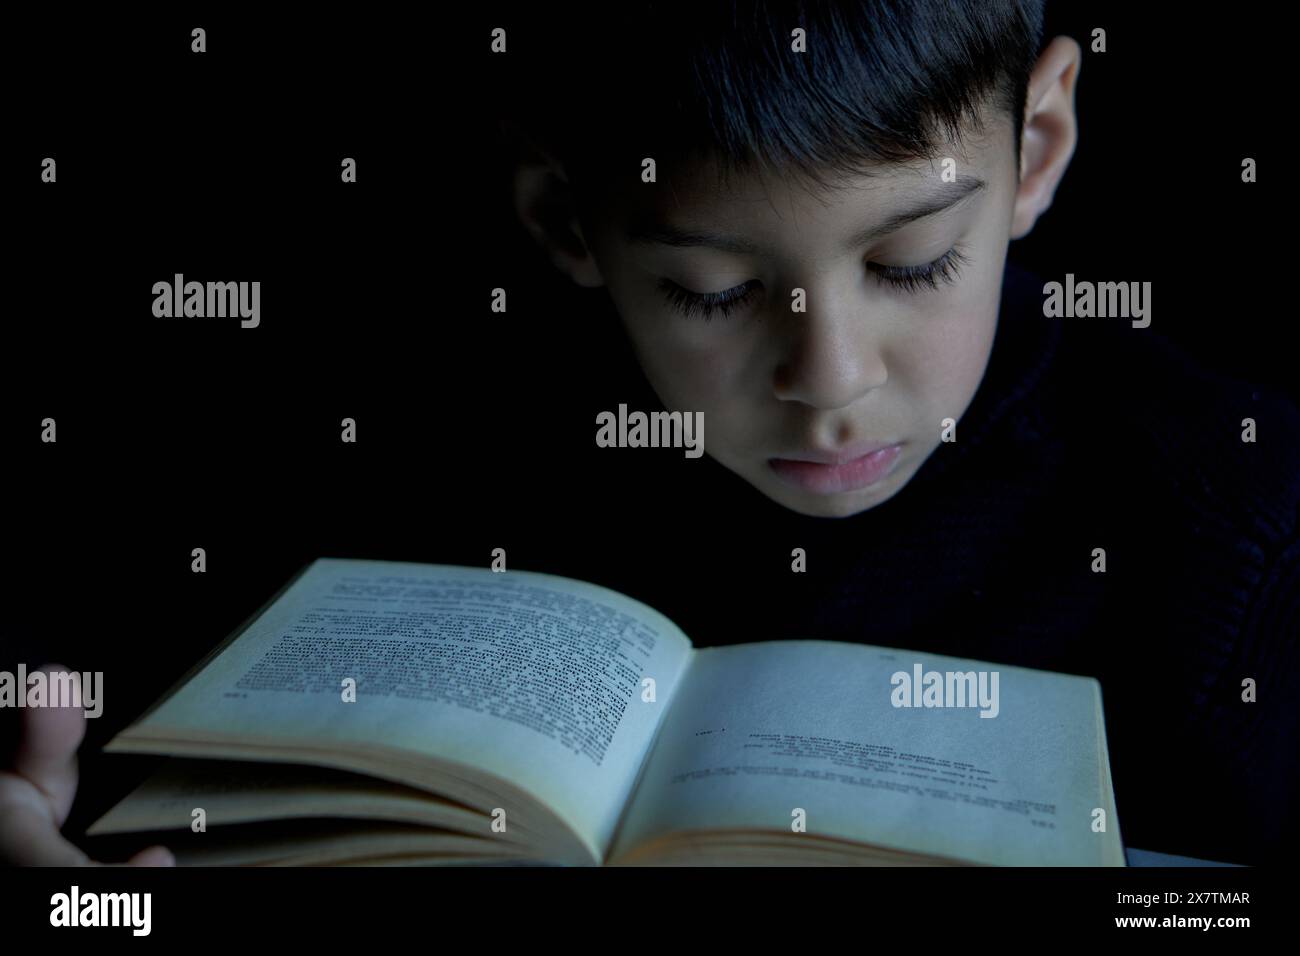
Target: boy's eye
{"x":706,"y":304}
{"x":910,"y":278}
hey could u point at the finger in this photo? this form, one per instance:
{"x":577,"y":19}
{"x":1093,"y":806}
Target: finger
{"x":29,"y":835}
{"x":153,"y":856}
{"x":47,"y":750}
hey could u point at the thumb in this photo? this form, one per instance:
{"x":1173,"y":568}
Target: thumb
{"x":47,"y":750}
{"x":153,"y":856}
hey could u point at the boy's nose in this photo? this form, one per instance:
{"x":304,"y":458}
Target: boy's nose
{"x":833,"y":359}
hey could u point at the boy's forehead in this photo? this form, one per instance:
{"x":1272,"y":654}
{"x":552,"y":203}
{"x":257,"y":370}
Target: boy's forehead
{"x":696,"y":195}
{"x":750,"y":215}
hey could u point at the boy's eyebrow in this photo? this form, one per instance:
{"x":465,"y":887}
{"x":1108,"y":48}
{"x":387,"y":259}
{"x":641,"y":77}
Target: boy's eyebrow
{"x":946,"y":196}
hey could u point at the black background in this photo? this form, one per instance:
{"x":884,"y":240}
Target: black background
{"x":475,"y":428}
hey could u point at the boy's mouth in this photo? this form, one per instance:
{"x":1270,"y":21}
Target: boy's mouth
{"x":829,"y":473}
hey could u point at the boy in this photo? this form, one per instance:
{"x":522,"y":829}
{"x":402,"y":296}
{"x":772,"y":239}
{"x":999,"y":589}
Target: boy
{"x":832,"y":410}
{"x":801,"y":215}
{"x":869,"y":163}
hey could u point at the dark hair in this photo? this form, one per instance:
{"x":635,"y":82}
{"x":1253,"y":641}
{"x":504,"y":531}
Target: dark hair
{"x":880,"y":81}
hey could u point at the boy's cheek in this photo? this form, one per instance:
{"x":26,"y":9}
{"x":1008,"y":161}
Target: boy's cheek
{"x":953,"y":355}
{"x":691,"y":377}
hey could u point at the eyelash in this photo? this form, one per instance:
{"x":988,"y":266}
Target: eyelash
{"x":707,"y":304}
{"x":944,"y":269}
{"x":909,"y":278}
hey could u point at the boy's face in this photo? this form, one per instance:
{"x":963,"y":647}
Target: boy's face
{"x":831,"y":410}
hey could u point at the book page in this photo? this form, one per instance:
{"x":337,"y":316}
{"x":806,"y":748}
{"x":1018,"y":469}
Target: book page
{"x":534,"y":678}
{"x":232,"y":791}
{"x":759,"y":732}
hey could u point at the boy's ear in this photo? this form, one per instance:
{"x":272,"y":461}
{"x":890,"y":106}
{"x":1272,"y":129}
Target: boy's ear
{"x":1050,"y":133}
{"x":547,"y":209}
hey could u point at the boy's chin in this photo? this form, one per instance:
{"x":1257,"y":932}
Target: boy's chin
{"x":814,"y":505}
{"x":844,"y":505}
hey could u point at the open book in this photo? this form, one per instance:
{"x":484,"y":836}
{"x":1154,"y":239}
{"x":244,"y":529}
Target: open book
{"x":381,"y":712}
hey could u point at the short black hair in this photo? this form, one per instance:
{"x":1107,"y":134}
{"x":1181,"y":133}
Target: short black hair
{"x":880,"y":82}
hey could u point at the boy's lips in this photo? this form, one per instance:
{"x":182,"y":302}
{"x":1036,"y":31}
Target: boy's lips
{"x":833,"y":472}
{"x":837,"y":456}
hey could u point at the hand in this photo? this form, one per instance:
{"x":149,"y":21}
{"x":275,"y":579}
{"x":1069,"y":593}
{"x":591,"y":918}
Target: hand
{"x":36,"y":793}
